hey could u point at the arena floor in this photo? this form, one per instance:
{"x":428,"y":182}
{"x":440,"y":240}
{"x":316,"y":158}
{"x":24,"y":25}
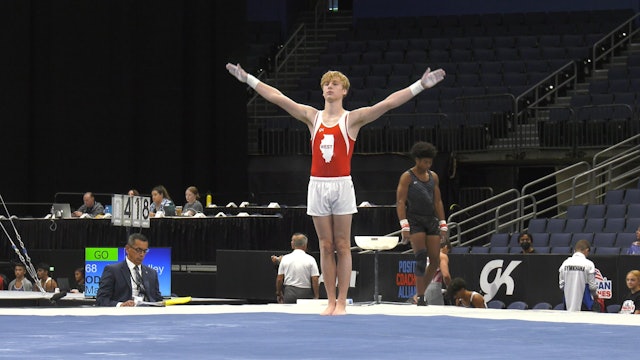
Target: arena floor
{"x":275,"y":331}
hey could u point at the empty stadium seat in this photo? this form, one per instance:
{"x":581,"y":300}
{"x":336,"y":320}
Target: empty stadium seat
{"x":633,"y":223}
{"x":542,"y":249}
{"x":631,"y":196}
{"x":595,"y":211}
{"x":555,"y":225}
{"x":542,"y":306}
{"x":564,"y":250}
{"x":614,"y":196}
{"x":499,"y":249}
{"x":633,"y":211}
{"x":499,"y":239}
{"x":593,"y":225}
{"x":460,"y":250}
{"x":537,"y":225}
{"x":607,"y":250}
{"x":559,"y":239}
{"x":539,"y":239}
{"x":581,"y":236}
{"x":624,"y":239}
{"x":479,"y":250}
{"x":496,"y":304}
{"x":574,"y":225}
{"x":616,"y":211}
{"x":513,"y":240}
{"x":614,"y":225}
{"x":604,"y":239}
{"x":576,"y":211}
{"x":518,"y":305}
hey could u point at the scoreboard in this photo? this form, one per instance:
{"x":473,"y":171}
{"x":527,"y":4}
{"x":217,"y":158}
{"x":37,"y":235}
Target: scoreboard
{"x":130,"y":210}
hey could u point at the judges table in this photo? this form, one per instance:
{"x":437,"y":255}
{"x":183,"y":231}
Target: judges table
{"x":194,"y":240}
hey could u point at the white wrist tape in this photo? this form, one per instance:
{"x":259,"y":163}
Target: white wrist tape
{"x":416,"y":88}
{"x":443,"y":225}
{"x":252,"y":81}
{"x":404,"y":224}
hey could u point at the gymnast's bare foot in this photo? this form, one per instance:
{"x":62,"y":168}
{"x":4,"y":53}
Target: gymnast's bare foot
{"x":331,"y":307}
{"x":340,"y":308}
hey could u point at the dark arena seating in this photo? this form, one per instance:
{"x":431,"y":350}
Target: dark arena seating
{"x":609,"y":228}
{"x":497,"y":65}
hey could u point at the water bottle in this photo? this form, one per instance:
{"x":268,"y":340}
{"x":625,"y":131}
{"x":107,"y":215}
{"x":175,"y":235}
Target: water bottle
{"x":209,"y":199}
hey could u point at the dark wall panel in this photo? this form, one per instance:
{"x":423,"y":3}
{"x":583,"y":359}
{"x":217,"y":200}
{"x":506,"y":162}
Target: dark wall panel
{"x":109,"y":95}
{"x":14,"y":92}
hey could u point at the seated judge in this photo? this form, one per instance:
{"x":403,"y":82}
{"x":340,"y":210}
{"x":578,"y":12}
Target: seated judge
{"x":161,"y":203}
{"x":90,"y":207}
{"x":193,"y":205}
{"x":128,"y":280}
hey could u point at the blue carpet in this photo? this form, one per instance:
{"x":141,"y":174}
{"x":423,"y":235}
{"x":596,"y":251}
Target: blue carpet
{"x":293,"y":336}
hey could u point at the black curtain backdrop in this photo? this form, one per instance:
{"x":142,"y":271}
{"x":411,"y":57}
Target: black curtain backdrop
{"x":105,"y":96}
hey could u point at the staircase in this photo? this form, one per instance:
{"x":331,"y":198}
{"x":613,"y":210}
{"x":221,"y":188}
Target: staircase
{"x":314,"y":42}
{"x":526,"y":135}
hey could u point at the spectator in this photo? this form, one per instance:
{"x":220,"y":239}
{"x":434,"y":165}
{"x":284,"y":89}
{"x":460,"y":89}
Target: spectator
{"x":161,"y":203}
{"x":634,"y":249}
{"x":20,"y":283}
{"x":297,"y":273}
{"x":576,"y":273}
{"x":193,"y":205}
{"x":47,"y":282}
{"x":90,"y":208}
{"x":79,"y":277}
{"x":526,"y":243}
{"x":461,"y":296}
{"x":133,"y":192}
{"x":631,"y":303}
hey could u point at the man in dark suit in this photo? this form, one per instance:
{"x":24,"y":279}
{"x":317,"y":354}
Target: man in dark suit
{"x":120,"y":283}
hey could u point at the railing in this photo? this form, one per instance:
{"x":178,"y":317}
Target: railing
{"x":320,"y":16}
{"x":618,"y":172}
{"x":621,"y":148}
{"x":547,"y":89}
{"x":618,"y":37}
{"x":478,"y":219}
{"x":286,"y":59}
{"x":551,"y":194}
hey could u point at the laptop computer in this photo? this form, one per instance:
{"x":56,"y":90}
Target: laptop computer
{"x":61,"y":211}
